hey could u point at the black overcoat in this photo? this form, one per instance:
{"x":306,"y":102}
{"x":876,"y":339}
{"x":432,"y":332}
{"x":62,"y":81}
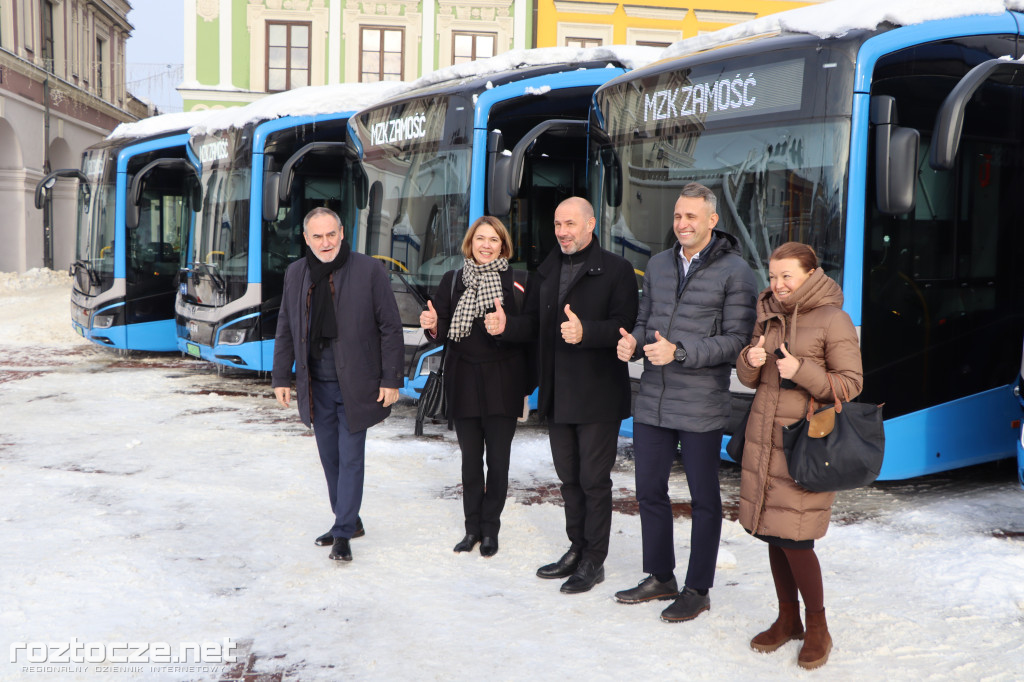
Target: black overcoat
{"x":369,"y":351}
{"x":484,"y":375}
{"x":582,"y":383}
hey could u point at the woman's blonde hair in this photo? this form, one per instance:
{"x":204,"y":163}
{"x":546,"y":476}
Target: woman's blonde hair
{"x":499,"y":227}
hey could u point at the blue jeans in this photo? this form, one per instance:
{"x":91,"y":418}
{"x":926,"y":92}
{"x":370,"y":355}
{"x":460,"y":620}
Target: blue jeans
{"x":342,"y":455}
{"x":654,"y":451}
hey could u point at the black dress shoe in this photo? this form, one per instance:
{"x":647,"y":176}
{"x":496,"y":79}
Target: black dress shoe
{"x":586,"y":576}
{"x":326,"y":540}
{"x":467,"y":543}
{"x":489,"y":546}
{"x":649,"y":589}
{"x":562,"y":568}
{"x":687,"y":606}
{"x":341,"y":550}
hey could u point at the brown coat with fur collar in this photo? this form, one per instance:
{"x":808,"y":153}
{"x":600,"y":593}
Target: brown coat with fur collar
{"x":818,"y":332}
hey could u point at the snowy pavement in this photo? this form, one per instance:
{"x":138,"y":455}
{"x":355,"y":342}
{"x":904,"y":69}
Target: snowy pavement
{"x":147,"y":499}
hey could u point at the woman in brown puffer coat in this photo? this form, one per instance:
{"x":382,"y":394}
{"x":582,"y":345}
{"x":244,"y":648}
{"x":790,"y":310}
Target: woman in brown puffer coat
{"x":803,"y":307}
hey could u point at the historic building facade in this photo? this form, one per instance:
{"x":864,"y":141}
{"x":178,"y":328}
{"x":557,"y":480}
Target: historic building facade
{"x":238,"y":50}
{"x":62,"y":89}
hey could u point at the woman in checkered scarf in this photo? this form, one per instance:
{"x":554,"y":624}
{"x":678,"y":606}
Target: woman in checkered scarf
{"x":485,"y":378}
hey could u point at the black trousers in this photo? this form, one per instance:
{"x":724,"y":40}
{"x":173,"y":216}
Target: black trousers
{"x":483,"y":498}
{"x":583,"y":455}
{"x":654,"y":449}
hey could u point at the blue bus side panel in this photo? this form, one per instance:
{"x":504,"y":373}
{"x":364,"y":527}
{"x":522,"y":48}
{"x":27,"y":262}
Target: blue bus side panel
{"x":152,"y":336}
{"x":968,"y":431}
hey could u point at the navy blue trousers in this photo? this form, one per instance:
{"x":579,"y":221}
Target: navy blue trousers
{"x":654,"y":449}
{"x":342,"y":455}
{"x":584,"y":455}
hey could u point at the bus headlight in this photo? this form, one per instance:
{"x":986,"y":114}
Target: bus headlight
{"x":232,"y":337}
{"x":431,"y":363}
{"x":103,"y":321}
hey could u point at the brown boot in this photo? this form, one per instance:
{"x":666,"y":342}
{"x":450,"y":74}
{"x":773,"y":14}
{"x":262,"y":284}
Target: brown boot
{"x":817,"y":642}
{"x":785,"y":628}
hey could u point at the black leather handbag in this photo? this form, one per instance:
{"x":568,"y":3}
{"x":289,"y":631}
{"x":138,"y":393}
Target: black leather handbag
{"x":432,"y":403}
{"x":839,"y":447}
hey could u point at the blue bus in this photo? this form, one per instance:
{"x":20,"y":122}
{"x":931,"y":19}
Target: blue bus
{"x":504,"y":137}
{"x":263,"y":167}
{"x":136,"y":191}
{"x":897,"y":152}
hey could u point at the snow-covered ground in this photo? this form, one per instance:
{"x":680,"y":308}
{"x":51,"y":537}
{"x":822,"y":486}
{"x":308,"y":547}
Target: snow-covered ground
{"x":147,"y":499}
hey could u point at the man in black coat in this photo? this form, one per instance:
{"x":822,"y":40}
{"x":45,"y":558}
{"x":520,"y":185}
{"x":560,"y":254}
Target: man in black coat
{"x":575,"y":304}
{"x":340,"y":327}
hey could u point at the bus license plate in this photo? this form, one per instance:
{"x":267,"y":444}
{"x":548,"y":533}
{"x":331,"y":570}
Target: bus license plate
{"x":79,"y":329}
{"x":193,"y":350}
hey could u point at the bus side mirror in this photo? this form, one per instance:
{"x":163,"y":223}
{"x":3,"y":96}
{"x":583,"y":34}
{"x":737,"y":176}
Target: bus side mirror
{"x":896,"y":151}
{"x":499,"y":164}
{"x":360,"y":186}
{"x":271,"y":183}
{"x":612,"y":178}
{"x":46,"y":184}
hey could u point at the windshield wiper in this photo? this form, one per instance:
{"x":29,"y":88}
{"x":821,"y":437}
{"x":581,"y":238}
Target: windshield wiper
{"x":217,"y":279}
{"x":94,"y":277}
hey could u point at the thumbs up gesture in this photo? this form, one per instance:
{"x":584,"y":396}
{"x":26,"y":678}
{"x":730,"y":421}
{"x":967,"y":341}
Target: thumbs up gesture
{"x":495,"y":322}
{"x":428,"y":319}
{"x":572,"y":328}
{"x":661,"y":351}
{"x":626,"y":346}
{"x":788,"y":364}
{"x":757,"y":355}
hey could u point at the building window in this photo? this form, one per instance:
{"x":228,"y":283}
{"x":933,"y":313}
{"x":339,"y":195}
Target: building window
{"x":583,"y":42}
{"x":47,"y":35}
{"x":381,"y":54}
{"x":100,"y":49}
{"x":651,"y":43}
{"x":468,"y":47}
{"x":287,"y":55}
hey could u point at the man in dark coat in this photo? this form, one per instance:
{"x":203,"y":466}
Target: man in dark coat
{"x":576,"y":302}
{"x":696,"y":313}
{"x":340,"y":327}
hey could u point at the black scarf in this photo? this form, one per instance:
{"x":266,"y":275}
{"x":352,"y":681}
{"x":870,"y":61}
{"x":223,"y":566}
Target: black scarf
{"x":323,"y":326}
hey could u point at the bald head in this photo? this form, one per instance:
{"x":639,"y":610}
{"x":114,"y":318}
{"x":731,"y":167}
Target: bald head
{"x":574,"y":224}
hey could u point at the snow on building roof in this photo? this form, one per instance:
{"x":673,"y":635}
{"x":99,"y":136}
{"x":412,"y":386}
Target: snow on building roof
{"x":308,"y":101}
{"x":838,"y":17}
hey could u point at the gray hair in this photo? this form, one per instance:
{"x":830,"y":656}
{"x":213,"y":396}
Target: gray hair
{"x":695,"y":190}
{"x":319,"y":211}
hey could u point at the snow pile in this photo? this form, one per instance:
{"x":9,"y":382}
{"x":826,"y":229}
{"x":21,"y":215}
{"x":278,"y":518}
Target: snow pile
{"x":630,"y":56}
{"x":34,"y":278}
{"x":159,"y":125}
{"x":312,"y":100}
{"x":839,"y":17}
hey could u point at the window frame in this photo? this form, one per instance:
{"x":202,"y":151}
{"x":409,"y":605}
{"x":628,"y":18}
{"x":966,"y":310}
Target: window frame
{"x":474,"y":35}
{"x":308,"y":25}
{"x":381,"y":52}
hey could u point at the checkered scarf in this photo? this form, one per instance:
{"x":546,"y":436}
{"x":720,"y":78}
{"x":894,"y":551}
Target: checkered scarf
{"x":483,"y":285}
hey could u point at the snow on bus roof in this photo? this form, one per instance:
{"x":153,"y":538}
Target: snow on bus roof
{"x":158,"y":125}
{"x":838,"y":17}
{"x":308,"y":101}
{"x":630,"y":56}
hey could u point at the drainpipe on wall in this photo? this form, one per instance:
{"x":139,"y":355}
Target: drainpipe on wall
{"x":48,"y":206}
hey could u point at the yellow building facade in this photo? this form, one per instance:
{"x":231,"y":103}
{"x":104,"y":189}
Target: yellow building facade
{"x":658,"y":23}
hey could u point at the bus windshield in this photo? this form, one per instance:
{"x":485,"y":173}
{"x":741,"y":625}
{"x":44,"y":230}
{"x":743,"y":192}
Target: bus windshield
{"x":779,"y":173}
{"x":418,"y":196}
{"x":94,"y":252}
{"x":219,"y":251}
